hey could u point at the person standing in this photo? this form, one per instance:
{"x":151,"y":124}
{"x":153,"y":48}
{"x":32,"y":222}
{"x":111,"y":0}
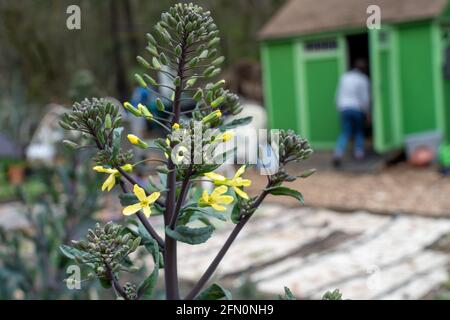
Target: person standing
{"x":353,"y":101}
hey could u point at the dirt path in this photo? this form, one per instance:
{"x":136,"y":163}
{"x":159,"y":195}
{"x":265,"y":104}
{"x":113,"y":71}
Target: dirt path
{"x":400,"y":189}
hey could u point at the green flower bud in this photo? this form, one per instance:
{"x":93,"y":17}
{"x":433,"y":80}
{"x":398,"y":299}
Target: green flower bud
{"x":156,"y":63}
{"x":191,"y":82}
{"x":150,"y":80}
{"x":213,"y":42}
{"x":217,"y":102}
{"x":204,"y":54}
{"x":150,"y":39}
{"x":218,"y":61}
{"x":140,"y":81}
{"x":163,"y":58}
{"x":129,"y":107}
{"x":152,"y":50}
{"x":198,"y":95}
{"x":208,"y":71}
{"x":143,"y":62}
{"x":159,"y":104}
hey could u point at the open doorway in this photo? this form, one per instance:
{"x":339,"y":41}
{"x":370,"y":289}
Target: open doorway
{"x":358,"y":48}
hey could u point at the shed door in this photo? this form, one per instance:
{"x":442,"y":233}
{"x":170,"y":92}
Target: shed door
{"x":320,"y":65}
{"x":386,"y":113}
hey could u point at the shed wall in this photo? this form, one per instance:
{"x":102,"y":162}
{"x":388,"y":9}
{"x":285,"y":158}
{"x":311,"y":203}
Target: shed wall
{"x":416,"y":78}
{"x":279,"y":84}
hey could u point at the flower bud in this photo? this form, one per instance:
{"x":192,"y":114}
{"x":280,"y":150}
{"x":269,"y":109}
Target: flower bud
{"x":129,"y":107}
{"x":134,"y":140}
{"x":140,"y":81}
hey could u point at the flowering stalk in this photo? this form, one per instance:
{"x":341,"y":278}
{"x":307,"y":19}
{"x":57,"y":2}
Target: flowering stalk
{"x":187,"y":45}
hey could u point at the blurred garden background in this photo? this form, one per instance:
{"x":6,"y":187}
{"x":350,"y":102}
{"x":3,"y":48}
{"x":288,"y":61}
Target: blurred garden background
{"x":374,"y":229}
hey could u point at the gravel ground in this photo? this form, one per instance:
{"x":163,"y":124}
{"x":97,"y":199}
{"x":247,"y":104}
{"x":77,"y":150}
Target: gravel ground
{"x":397,"y":189}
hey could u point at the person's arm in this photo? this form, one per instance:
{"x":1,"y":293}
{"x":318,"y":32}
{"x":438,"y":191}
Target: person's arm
{"x":365,"y":95}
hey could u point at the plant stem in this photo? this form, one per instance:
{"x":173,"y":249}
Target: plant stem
{"x":214,"y":264}
{"x":181,"y":198}
{"x":170,"y":254}
{"x":116,"y":285}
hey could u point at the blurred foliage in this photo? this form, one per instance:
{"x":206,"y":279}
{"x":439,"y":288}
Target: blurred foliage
{"x":18,"y":117}
{"x":31,"y":265}
{"x":37,"y":45}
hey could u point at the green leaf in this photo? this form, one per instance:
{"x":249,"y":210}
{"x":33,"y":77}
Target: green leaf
{"x":146,"y":288}
{"x":71,"y":252}
{"x":117,"y":134}
{"x":288,"y":295}
{"x":106,"y":284}
{"x":236,"y":213}
{"x":127,"y":199}
{"x":190,"y":235}
{"x":192,"y":213}
{"x":284,"y":191}
{"x":237,"y":123}
{"x":332,"y":295}
{"x":214,"y":292}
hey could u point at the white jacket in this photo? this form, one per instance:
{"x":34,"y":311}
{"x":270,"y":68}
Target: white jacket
{"x":353,"y":92}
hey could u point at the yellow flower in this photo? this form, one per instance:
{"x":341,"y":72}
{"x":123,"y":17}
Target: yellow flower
{"x":135,"y":140}
{"x":216,"y":199}
{"x":234,"y":182}
{"x":110,"y":182}
{"x":226,"y":136}
{"x":143,"y":204}
{"x":176,"y":126}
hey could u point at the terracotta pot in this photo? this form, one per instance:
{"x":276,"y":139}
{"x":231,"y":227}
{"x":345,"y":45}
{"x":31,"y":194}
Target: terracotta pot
{"x":16,"y":174}
{"x":421,"y":157}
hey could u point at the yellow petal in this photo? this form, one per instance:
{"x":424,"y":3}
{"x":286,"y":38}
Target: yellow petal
{"x":214,"y":176}
{"x":245,"y":182}
{"x":205,"y":196}
{"x":227,"y":136}
{"x":139,"y":192}
{"x":153,"y":197}
{"x":132,"y":209}
{"x":218,"y":191}
{"x":133,"y":139}
{"x":218,"y":207}
{"x":241,"y":193}
{"x":225,"y":199}
{"x":240,"y":172}
{"x":99,"y":169}
{"x":127,"y":167}
{"x":109,"y":182}
{"x":147,"y":211}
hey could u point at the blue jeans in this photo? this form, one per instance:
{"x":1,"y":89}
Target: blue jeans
{"x":352,"y":126}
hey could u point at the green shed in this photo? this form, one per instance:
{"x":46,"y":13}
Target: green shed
{"x":308,"y":44}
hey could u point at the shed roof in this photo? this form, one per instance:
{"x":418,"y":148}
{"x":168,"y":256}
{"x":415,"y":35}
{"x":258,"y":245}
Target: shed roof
{"x":299,"y":17}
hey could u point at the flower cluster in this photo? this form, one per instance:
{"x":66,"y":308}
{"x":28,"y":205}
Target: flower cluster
{"x":105,"y":249}
{"x":292,"y":148}
{"x":99,"y":120}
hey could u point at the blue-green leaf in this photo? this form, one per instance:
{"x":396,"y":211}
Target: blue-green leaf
{"x":71,"y":252}
{"x":190,"y":235}
{"x":284,"y":191}
{"x":146,"y":288}
{"x":214,"y":292}
{"x":237,"y":123}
